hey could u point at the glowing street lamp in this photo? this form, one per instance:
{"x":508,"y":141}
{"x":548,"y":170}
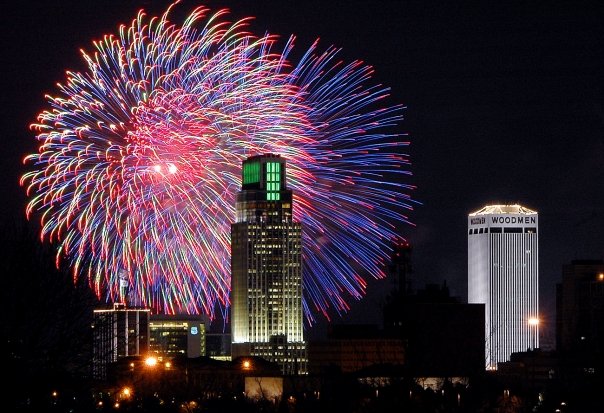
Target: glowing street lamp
{"x":151,"y":361}
{"x":534,"y":323}
{"x":126,"y":392}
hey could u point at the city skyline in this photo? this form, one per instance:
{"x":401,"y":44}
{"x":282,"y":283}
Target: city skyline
{"x":543,"y":91}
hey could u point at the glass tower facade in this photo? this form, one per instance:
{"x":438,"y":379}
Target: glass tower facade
{"x":503,"y":274}
{"x":266,"y":264}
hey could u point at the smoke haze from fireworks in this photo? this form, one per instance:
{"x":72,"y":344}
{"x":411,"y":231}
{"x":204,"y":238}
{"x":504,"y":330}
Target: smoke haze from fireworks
{"x":140,"y":155}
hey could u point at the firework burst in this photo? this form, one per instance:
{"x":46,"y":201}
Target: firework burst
{"x":139,"y":161}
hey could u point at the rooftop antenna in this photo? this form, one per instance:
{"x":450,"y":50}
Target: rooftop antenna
{"x":124,"y":287}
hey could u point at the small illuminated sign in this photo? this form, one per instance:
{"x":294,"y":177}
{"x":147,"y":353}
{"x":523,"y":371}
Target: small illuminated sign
{"x":194,"y":330}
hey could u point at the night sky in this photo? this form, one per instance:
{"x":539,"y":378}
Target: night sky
{"x":504,"y":104}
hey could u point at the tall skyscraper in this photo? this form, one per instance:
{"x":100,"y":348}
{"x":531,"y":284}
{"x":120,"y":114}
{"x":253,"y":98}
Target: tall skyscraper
{"x":503,"y":274}
{"x":266,"y":264}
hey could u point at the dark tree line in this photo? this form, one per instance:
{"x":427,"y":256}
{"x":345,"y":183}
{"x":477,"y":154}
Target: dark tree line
{"x":46,"y":318}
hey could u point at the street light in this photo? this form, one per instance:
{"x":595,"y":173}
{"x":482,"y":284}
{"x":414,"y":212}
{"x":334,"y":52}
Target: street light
{"x":126,"y":392}
{"x":534,"y":323}
{"x":151,"y":361}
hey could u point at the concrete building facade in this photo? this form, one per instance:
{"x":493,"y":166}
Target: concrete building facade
{"x":503,"y":274}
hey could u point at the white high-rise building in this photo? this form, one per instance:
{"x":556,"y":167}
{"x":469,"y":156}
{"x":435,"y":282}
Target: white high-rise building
{"x":503,"y":274}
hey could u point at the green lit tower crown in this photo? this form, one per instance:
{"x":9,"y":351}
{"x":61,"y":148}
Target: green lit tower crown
{"x":266,"y":264}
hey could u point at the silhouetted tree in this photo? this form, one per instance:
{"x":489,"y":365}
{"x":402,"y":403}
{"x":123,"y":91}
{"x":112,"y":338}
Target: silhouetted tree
{"x":45,"y":320}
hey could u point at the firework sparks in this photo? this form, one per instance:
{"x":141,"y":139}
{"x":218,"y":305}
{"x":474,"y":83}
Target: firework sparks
{"x":139,"y":161}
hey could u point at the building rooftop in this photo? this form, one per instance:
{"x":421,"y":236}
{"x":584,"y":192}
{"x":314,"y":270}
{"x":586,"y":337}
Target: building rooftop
{"x":503,"y":209}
